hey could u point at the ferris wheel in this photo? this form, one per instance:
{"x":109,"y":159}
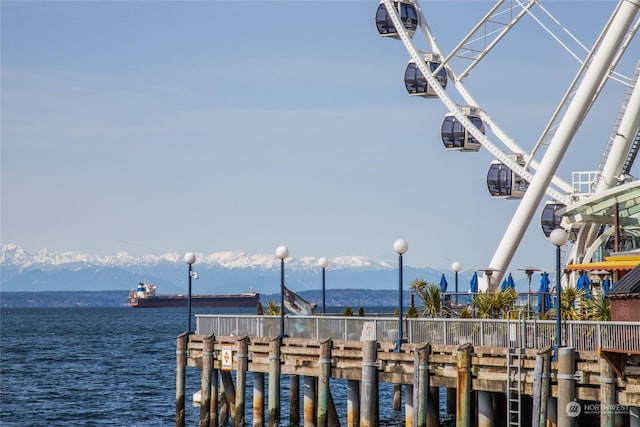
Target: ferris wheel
{"x":517,"y":173}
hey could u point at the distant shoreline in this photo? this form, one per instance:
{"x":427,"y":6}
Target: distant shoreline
{"x":336,"y":298}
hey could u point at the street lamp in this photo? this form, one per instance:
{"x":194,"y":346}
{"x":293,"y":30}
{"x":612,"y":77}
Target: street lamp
{"x":456,"y":267}
{"x":558,"y":237}
{"x":189,"y":258}
{"x":400,"y":246}
{"x":529,"y":272}
{"x":282,"y":252}
{"x":323,"y":263}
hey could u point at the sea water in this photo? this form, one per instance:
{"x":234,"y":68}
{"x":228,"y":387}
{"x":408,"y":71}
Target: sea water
{"x":111,"y":367}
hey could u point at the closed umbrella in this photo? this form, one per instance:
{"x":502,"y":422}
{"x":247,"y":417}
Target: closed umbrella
{"x":473,"y":284}
{"x":543,"y":295}
{"x":443,"y":284}
{"x":583,"y":284}
{"x":443,"y":289}
{"x":508,"y":283}
{"x":606,"y":285}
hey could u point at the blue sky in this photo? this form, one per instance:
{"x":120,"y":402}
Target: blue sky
{"x":150,"y":127}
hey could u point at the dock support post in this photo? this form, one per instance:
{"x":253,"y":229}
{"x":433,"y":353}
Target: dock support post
{"x":310,"y":400}
{"x":566,"y":385}
{"x":215,"y":393}
{"x":241,"y":379}
{"x":486,"y":415}
{"x":229,"y":391}
{"x":608,"y":381}
{"x":353,"y":403}
{"x":258,"y":399}
{"x":324,"y":374}
{"x":634,"y":416}
{"x":369,"y":395}
{"x":545,"y":385}
{"x":537,"y":391}
{"x":205,"y":383}
{"x":274,"y":382}
{"x":463,"y":409}
{"x":410,"y":407}
{"x":181,"y":363}
{"x":451,"y":401}
{"x":294,"y":399}
{"x":421,"y":380}
{"x":397,"y":397}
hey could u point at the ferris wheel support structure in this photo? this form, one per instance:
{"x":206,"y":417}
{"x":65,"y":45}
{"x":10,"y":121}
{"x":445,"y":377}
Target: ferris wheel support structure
{"x":562,"y":138}
{"x":587,"y":243}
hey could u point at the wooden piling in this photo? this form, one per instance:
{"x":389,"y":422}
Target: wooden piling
{"x":421,"y":380}
{"x":486,"y":416}
{"x":274,"y":382}
{"x":294,"y":399}
{"x":258,"y":399}
{"x":353,"y":403}
{"x":215,"y":393}
{"x":608,"y":382}
{"x":537,"y":390}
{"x":409,"y":405}
{"x":545,"y":386}
{"x":463,"y":380}
{"x":205,"y":383}
{"x":566,"y":387}
{"x":242,"y":365}
{"x":397,"y":397}
{"x":181,"y":363}
{"x":229,"y":391}
{"x":310,"y":400}
{"x":324,"y":374}
{"x":369,"y":395}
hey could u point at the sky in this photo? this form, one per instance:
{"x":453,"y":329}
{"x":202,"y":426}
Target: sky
{"x":150,"y":127}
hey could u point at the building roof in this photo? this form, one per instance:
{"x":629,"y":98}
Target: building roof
{"x":629,"y":284}
{"x":611,"y":263}
{"x":600,"y":208}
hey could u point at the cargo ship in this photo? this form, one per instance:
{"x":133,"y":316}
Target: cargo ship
{"x":145,"y":296}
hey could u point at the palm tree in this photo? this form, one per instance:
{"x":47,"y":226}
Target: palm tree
{"x":568,"y":299}
{"x":273,"y":308}
{"x":430,"y":295}
{"x":596,"y":309}
{"x":494,"y":305}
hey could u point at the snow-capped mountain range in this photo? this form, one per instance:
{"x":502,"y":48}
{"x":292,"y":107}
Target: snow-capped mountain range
{"x":220,"y":272}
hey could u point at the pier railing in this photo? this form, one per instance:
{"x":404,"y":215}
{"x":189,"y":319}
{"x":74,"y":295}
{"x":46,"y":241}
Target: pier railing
{"x":534,"y":334}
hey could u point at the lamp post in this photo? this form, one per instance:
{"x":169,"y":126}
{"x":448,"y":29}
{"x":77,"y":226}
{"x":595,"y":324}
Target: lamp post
{"x":282,"y":253}
{"x":529,"y":272}
{"x":558,"y":237}
{"x":189,"y":258}
{"x":323,"y":263}
{"x":400,"y":246}
{"x":456,"y":267}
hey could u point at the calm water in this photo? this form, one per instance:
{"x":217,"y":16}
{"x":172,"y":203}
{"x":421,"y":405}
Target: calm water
{"x":107,"y":367}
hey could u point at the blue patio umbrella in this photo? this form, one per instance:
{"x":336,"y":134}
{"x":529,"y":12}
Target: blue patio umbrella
{"x":583,"y":284}
{"x":508,"y":283}
{"x":473,"y":284}
{"x":544,"y":292}
{"x":606,"y":285}
{"x":443,"y":284}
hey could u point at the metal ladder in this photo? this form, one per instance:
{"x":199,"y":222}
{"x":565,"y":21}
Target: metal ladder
{"x":514,"y":371}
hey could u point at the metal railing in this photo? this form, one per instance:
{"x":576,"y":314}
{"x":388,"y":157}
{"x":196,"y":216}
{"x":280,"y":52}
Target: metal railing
{"x":535,"y":334}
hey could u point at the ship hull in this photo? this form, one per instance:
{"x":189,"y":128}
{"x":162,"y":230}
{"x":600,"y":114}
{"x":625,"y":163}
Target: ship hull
{"x":196,"y":301}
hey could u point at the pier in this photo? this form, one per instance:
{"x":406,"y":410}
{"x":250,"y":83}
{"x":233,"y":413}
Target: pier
{"x":495,"y":372}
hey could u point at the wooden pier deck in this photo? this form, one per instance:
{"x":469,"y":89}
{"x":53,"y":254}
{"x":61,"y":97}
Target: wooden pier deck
{"x":609,"y":377}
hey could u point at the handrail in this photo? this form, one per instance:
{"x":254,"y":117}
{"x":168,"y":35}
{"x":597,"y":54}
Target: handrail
{"x":532,"y":334}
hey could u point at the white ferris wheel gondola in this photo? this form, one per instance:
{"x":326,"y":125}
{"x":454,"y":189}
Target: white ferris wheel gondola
{"x":455,"y":136}
{"x":408,"y":14}
{"x":417,"y":84}
{"x":503,"y":182}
